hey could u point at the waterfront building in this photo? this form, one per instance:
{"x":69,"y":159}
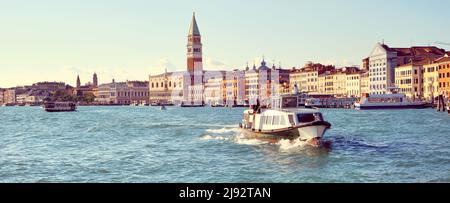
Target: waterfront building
{"x":383,"y":60}
{"x":307,"y":77}
{"x":2,"y":94}
{"x":123,"y":93}
{"x":89,"y":88}
{"x":280,"y":80}
{"x":364,"y":82}
{"x":32,"y":97}
{"x":430,"y":81}
{"x":50,"y":87}
{"x":235,"y":88}
{"x":168,"y":87}
{"x":326,"y":85}
{"x":409,"y":78}
{"x":252,"y":85}
{"x":339,"y":83}
{"x":10,"y":94}
{"x":444,"y":75}
{"x":262,"y":82}
{"x":353,"y":84}
{"x":215,"y":91}
{"x":321,"y":82}
{"x":365,"y":64}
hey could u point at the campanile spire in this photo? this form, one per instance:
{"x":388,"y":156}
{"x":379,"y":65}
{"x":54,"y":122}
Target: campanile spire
{"x":194,"y":48}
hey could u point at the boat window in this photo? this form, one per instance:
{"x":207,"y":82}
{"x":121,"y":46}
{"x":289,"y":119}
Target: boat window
{"x":263,"y":118}
{"x":306,"y":118}
{"x":276,"y":120}
{"x":291,"y":119}
{"x":283,"y":121}
{"x":268,"y":120}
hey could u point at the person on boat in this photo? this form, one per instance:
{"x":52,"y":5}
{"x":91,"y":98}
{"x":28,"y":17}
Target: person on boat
{"x":257,"y":107}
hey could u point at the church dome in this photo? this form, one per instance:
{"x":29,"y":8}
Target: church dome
{"x":263,"y":66}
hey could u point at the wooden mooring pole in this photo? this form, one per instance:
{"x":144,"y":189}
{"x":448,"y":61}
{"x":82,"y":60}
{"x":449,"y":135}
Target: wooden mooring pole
{"x":441,"y":103}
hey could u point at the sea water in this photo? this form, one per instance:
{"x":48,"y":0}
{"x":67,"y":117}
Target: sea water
{"x":145,"y":144}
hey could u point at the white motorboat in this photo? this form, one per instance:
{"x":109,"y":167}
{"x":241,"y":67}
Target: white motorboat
{"x":284,"y":120}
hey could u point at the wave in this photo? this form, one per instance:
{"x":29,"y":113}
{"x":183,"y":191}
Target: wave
{"x":222,"y":130}
{"x":289,"y":145}
{"x":210,"y":137}
{"x":241,"y":139}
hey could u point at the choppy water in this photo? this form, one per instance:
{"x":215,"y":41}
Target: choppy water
{"x":144,"y":144}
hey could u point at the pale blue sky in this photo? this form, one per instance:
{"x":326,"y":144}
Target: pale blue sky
{"x":129,"y":39}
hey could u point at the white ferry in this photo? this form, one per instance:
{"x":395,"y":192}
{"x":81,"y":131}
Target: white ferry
{"x":285,"y":120}
{"x":59,"y":106}
{"x":388,"y":101}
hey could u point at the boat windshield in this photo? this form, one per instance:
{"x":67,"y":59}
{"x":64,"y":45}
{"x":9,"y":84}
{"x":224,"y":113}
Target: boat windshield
{"x":309,"y":117}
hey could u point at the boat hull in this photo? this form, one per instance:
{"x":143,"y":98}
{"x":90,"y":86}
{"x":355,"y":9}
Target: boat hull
{"x":305,"y":132}
{"x":51,"y":110}
{"x":192,"y":106}
{"x":420,"y":106}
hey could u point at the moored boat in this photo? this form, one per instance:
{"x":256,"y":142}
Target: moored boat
{"x":388,"y":101}
{"x":192,"y":105}
{"x":285,"y":120}
{"x":59,"y":106}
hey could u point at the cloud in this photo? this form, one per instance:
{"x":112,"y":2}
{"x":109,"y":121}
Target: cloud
{"x":165,"y":63}
{"x":213,"y":64}
{"x":162,"y":65}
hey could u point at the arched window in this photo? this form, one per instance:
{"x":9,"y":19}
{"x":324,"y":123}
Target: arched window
{"x":162,"y":84}
{"x":156,"y":85}
{"x":152,"y":85}
{"x":170,"y":83}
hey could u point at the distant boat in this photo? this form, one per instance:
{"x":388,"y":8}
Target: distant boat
{"x":388,"y":101}
{"x":217,"y":105}
{"x":59,"y":106}
{"x":163,"y":108}
{"x":162,"y":104}
{"x":192,"y":105}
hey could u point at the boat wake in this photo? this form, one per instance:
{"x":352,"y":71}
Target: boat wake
{"x":210,"y":137}
{"x":223,"y":130}
{"x":234,"y":135}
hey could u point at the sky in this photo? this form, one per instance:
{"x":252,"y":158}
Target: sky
{"x":55,"y":40}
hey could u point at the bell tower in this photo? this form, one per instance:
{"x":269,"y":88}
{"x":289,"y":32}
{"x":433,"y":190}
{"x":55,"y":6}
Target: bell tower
{"x":194,"y":48}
